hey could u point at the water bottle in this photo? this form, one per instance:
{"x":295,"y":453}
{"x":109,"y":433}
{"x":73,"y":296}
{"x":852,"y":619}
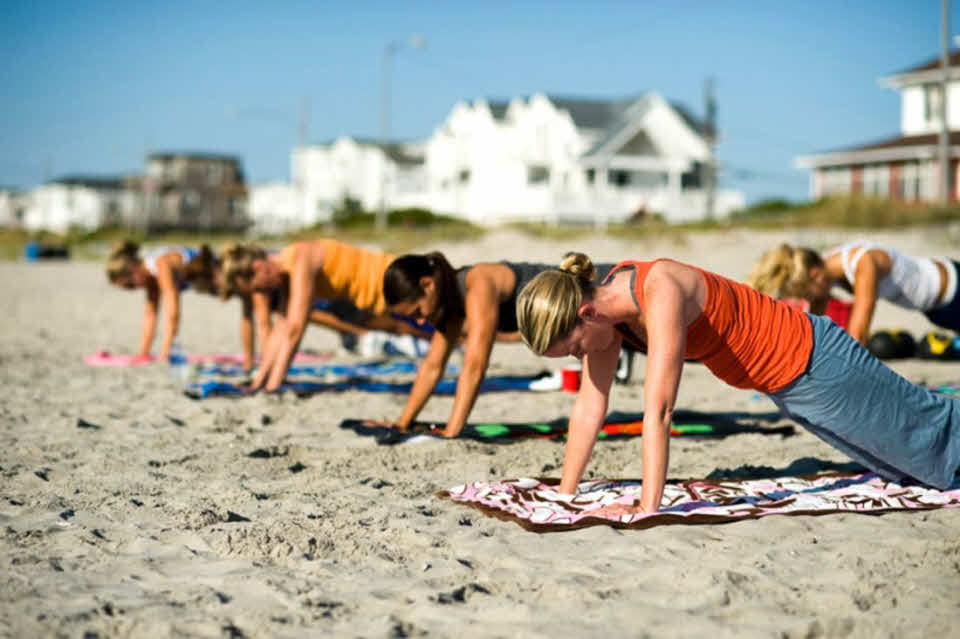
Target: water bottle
{"x":179,"y":366}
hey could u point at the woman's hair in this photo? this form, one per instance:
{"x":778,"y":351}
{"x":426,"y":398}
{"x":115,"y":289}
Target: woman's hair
{"x":547,"y":307}
{"x":236,"y":260}
{"x":401,"y":283}
{"x":784,"y":271}
{"x":123,"y":255}
{"x":201,"y":271}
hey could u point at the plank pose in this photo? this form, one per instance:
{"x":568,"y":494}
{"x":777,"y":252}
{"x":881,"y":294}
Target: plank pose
{"x":811,"y":368}
{"x":870,"y":272}
{"x":291,"y":282}
{"x":164,"y":273}
{"x":476,"y":302}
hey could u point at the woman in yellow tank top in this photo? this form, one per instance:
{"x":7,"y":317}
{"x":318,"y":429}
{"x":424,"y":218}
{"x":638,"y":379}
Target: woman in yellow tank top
{"x":317,"y":269}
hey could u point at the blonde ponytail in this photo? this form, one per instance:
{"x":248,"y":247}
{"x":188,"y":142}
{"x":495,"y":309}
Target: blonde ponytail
{"x":121,"y":257}
{"x":236,"y":260}
{"x":784,"y":271}
{"x":547,"y":307}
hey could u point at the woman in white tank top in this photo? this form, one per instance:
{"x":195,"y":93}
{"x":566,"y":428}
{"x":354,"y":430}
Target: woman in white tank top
{"x":869,"y":271}
{"x":163,"y":274}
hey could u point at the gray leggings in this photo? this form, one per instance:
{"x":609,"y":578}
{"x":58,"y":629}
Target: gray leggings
{"x":852,"y":401}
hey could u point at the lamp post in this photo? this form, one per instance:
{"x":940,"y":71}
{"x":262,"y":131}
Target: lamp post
{"x":386,"y":66}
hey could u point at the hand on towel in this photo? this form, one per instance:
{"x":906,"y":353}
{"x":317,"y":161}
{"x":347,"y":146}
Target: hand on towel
{"x":614,"y":511}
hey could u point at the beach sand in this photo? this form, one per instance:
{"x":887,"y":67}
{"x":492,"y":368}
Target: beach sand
{"x":151,"y":518}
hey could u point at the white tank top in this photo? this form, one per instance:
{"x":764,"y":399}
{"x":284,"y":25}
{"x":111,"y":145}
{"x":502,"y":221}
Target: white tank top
{"x":913,"y":282}
{"x":150,"y":259}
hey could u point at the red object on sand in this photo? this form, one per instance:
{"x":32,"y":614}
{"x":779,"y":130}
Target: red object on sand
{"x":839,"y":311}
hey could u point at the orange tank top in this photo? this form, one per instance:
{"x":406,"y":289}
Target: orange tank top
{"x":349,"y":272}
{"x":746,"y":338}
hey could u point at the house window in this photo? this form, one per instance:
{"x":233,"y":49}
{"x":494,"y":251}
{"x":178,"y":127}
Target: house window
{"x":876,"y":180}
{"x":591,"y":176}
{"x":214,"y":174}
{"x":638,"y":179}
{"x":836,"y":180}
{"x":932,"y":103}
{"x":538,"y":174}
{"x":463,"y":176}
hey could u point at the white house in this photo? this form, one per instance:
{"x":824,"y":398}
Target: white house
{"x":904,"y":167}
{"x":541,"y":158}
{"x":80,"y":202}
{"x":360,"y":169}
{"x":12,"y":205}
{"x":559,"y":159}
{"x":276,"y":207}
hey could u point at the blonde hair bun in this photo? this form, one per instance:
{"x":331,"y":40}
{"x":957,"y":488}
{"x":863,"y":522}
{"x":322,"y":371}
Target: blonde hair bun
{"x":578,"y":265}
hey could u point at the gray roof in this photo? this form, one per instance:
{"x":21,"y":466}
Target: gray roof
{"x":193,"y":155}
{"x":589,"y":113}
{"x":91,"y":181}
{"x":396,"y":151}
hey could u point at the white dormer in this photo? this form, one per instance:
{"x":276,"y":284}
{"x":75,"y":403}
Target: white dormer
{"x":920,"y":96}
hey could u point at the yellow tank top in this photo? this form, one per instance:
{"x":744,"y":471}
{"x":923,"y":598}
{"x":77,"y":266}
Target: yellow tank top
{"x":350,"y":273}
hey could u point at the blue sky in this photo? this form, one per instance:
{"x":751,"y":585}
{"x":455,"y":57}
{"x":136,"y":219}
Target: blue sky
{"x":90,"y":87}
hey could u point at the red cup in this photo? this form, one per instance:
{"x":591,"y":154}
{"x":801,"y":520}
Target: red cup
{"x":570,"y":378}
{"x":839,"y":311}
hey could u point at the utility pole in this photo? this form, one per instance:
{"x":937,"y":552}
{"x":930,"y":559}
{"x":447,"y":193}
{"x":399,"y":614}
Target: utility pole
{"x":710,"y":168}
{"x":386,"y":66}
{"x":946,"y":183}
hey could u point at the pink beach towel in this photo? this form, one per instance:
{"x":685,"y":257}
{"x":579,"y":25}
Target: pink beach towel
{"x":535,"y":504}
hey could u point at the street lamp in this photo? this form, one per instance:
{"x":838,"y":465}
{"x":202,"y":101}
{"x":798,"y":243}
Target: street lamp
{"x":386,"y":66}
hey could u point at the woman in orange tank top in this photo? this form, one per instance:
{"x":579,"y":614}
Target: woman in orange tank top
{"x":812,"y":369}
{"x":318,"y":269}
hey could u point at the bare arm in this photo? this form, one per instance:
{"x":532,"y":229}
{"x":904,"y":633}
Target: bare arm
{"x":286,"y":335}
{"x":864,"y":297}
{"x":261,"y":315}
{"x":666,"y":342}
{"x":393,"y":325}
{"x":149,"y":325}
{"x":170,"y":293}
{"x":247,"y":336}
{"x":325,"y":318}
{"x":429,"y":373}
{"x":588,"y":413}
{"x":482,"y":311}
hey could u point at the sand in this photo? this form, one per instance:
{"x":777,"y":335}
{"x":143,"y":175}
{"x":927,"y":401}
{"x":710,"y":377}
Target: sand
{"x":151,"y":518}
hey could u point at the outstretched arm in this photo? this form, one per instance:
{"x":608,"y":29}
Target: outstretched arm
{"x":429,"y":373}
{"x":666,"y":342}
{"x":482,"y":308}
{"x":328,"y":319}
{"x":149,"y":325}
{"x":170,"y":293}
{"x":864,"y":297}
{"x":589,"y":411}
{"x":247,"y":336}
{"x":285,"y":336}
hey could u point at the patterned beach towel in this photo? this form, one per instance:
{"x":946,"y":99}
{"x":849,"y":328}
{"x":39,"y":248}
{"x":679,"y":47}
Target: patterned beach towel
{"x":617,"y":426}
{"x":535,"y":505}
{"x":203,"y":390}
{"x":106,"y":358}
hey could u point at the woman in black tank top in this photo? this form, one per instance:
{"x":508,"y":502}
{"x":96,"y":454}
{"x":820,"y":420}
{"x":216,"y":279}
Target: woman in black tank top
{"x":476,"y":303}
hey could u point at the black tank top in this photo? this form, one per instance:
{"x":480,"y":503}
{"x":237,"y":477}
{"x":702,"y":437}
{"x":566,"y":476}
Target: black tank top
{"x":523,"y":272}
